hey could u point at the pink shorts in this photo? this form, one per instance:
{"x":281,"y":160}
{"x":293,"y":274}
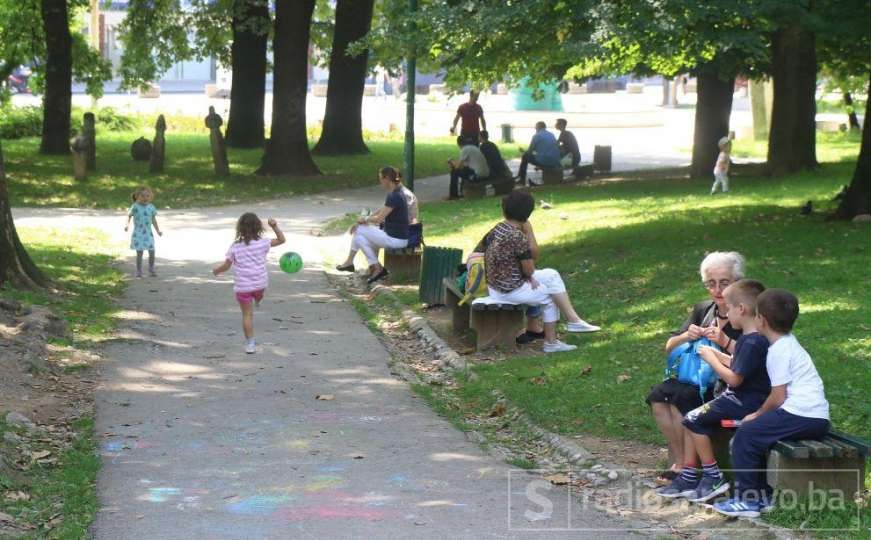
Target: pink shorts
{"x":248,"y":296}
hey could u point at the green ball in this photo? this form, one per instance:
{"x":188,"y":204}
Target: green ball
{"x":290,"y":262}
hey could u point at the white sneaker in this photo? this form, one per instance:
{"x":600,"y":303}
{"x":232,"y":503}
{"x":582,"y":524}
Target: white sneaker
{"x":251,"y":347}
{"x":582,"y":326}
{"x":558,"y":346}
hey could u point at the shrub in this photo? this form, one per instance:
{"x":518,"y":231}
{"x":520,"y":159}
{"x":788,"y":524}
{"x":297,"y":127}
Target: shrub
{"x":18,"y":122}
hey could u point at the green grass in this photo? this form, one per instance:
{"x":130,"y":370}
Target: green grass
{"x":66,"y":490}
{"x":189,"y":179}
{"x":80,"y":266}
{"x":844,"y":521}
{"x":629,"y":253}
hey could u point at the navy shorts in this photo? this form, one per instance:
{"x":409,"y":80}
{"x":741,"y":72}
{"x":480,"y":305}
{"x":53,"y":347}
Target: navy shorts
{"x":705,"y":420}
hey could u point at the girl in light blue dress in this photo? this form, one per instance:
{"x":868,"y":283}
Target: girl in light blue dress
{"x":144,"y":215}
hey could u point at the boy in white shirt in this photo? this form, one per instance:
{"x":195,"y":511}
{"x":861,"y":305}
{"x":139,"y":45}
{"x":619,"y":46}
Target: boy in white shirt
{"x":795,"y":409}
{"x":721,"y":168}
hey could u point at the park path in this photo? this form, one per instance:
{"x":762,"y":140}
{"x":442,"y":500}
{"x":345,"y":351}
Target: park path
{"x":199,"y":440}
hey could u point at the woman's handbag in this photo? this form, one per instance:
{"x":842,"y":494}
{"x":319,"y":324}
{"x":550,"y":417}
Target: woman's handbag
{"x":687,"y":366}
{"x":415,"y":235}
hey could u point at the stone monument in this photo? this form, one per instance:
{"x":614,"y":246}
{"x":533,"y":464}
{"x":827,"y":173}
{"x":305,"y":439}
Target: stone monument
{"x":219,"y":149}
{"x":158,"y":147}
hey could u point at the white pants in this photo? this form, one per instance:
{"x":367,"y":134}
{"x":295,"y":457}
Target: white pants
{"x":722,"y":180}
{"x":371,"y":239}
{"x":550,"y":283}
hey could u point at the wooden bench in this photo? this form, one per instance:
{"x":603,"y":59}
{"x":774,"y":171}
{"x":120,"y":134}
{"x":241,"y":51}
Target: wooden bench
{"x":836,"y":462}
{"x":495,"y":324}
{"x":487,"y":187}
{"x":403,"y":264}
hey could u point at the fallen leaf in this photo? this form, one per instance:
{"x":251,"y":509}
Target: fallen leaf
{"x":586,"y":369}
{"x":35,"y":456}
{"x":557,"y":479}
{"x":623,"y":378}
{"x":537,"y":380}
{"x":17,"y":496}
{"x":578,"y":421}
{"x":497,"y":410}
{"x":325,"y":397}
{"x":6,"y":518}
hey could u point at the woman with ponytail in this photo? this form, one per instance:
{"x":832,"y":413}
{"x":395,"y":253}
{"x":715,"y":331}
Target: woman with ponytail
{"x":386,"y":228}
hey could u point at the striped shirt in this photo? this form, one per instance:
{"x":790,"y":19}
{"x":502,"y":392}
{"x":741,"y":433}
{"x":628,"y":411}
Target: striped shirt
{"x":249,"y":264}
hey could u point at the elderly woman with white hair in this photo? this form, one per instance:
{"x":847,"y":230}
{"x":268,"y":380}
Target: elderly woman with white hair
{"x":670,"y":400}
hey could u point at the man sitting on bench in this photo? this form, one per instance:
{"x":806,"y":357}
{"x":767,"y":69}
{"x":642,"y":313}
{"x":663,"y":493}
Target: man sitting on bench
{"x":543,"y":152}
{"x":569,"y":152}
{"x":470,"y":167}
{"x":498,"y":168}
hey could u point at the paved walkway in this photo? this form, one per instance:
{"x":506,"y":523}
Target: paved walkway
{"x":200,"y":440}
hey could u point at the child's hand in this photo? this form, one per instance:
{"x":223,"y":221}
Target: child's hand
{"x":707,"y":354}
{"x":750,"y":417}
{"x":272,"y":223}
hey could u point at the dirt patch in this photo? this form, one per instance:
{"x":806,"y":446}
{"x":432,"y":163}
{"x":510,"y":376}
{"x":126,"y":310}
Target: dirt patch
{"x":36,"y":382}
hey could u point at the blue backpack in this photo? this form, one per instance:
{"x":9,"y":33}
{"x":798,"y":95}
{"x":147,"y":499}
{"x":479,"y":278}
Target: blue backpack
{"x":687,"y":366}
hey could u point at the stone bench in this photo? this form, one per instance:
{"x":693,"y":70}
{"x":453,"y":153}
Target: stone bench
{"x":551,"y":176}
{"x":488,"y":186}
{"x":835,"y":462}
{"x":495,"y":324}
{"x":403,"y":264}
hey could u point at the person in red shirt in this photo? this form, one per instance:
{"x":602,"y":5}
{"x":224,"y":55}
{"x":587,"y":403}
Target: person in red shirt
{"x":470,"y":113}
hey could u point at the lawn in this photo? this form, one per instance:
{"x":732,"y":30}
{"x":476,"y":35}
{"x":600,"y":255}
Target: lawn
{"x":629,"y":253}
{"x":189,"y":179}
{"x":81,"y":267}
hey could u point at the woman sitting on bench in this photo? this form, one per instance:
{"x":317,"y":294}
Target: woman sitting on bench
{"x":393,"y":231}
{"x":512,"y":277}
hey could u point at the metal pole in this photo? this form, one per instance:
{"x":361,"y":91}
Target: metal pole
{"x":410,"y":86}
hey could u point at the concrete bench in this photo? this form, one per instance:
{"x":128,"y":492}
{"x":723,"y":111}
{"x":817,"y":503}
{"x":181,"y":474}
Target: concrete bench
{"x":403,"y":264}
{"x":835,"y":462}
{"x":495,"y":324}
{"x":551,"y":176}
{"x":488,"y":186}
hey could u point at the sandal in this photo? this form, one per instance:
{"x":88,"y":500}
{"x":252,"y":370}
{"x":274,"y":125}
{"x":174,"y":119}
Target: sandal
{"x":379,"y":276}
{"x":345,"y":267}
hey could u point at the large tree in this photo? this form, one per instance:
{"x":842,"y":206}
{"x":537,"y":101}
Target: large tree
{"x":713,"y":108}
{"x":16,"y":267}
{"x":250,"y":26}
{"x":57,"y":102}
{"x":287,"y":150}
{"x":343,"y":129}
{"x":857,"y":199}
{"x":792,"y":137}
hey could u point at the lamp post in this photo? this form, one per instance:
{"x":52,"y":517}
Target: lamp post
{"x":410,"y":86}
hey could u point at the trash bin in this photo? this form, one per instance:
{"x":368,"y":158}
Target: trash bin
{"x":437,"y":264}
{"x":602,"y":158}
{"x":507,"y":135}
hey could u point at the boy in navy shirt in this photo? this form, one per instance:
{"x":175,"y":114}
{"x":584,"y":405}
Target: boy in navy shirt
{"x":795,"y":409}
{"x":747,"y":388}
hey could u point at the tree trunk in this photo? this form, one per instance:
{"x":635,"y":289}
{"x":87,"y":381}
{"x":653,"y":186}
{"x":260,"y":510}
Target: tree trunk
{"x":287,"y":149}
{"x":16,"y":267}
{"x":857,"y":199}
{"x":792,"y":138}
{"x":248,"y":89}
{"x":851,"y":111}
{"x":343,"y":128}
{"x":58,"y":78}
{"x":713,"y":108}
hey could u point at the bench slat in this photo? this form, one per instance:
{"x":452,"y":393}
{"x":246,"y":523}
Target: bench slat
{"x":818,"y":449}
{"x":842,"y":449}
{"x":451,"y":285}
{"x":861,"y":445}
{"x":792,"y":449}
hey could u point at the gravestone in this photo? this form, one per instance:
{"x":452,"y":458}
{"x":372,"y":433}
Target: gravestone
{"x":79,"y":150}
{"x":158,"y":148}
{"x":219,"y":149}
{"x":140,"y":149}
{"x":89,"y":132}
